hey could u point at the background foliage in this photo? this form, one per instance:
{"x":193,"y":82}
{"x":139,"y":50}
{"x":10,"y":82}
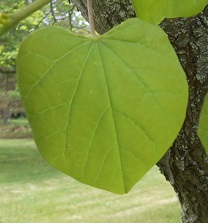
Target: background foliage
{"x":53,"y":14}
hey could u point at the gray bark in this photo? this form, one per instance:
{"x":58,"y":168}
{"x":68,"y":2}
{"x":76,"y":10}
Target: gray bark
{"x":185,"y":165}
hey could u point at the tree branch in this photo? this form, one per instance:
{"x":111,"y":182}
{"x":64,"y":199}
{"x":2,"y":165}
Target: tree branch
{"x":8,"y":21}
{"x":52,"y":12}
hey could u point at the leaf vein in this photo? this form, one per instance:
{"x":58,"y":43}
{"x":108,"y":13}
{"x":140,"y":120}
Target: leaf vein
{"x":51,"y":66}
{"x":93,"y":135}
{"x":111,"y":106}
{"x":72,"y":100}
{"x":142,"y":82}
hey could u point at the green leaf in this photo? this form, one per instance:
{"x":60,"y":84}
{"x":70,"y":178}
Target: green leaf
{"x":103,"y":110}
{"x":203,"y":124}
{"x":154,"y":11}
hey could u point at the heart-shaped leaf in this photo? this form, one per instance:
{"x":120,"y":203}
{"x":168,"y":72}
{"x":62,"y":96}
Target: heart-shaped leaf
{"x":203,"y":124}
{"x":103,"y":110}
{"x":154,"y":11}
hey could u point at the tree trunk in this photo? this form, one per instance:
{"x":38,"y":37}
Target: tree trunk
{"x":5,"y":116}
{"x":185,"y":165}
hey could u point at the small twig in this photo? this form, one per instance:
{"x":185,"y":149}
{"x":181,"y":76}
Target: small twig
{"x":37,"y":26}
{"x":16,"y":5}
{"x":70,"y":13}
{"x":52,"y":12}
{"x":90,"y":17}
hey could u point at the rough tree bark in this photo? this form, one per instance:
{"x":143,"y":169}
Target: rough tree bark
{"x":185,"y":165}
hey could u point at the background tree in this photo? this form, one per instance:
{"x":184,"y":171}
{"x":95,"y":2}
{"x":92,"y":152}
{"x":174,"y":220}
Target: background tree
{"x":10,"y":101}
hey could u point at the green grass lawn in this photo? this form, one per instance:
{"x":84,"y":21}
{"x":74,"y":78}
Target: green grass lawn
{"x":33,"y":192}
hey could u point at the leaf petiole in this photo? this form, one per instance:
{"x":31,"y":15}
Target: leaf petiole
{"x":90,"y":17}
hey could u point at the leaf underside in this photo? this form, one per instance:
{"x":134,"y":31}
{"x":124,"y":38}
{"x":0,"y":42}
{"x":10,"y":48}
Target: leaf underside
{"x":154,"y":11}
{"x":103,"y":110}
